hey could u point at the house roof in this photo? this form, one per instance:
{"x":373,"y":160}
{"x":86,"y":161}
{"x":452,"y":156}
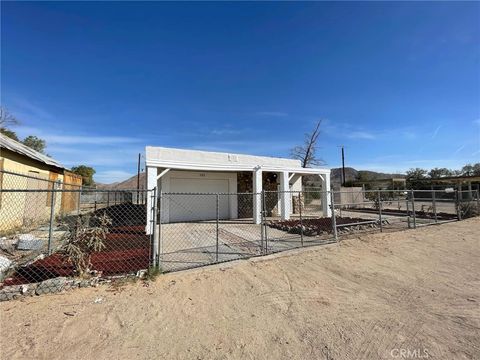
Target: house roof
{"x":184,"y":159}
{"x":19,"y":148}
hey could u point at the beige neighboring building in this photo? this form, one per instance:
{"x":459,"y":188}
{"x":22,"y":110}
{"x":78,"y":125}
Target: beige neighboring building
{"x":23,"y":168}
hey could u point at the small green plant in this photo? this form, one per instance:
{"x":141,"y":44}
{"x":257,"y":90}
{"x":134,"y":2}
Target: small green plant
{"x":385,"y":199}
{"x":82,"y":240}
{"x":152,"y":273}
{"x":119,"y":284}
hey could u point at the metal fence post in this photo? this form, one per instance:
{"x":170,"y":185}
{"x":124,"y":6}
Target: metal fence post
{"x":264,"y":220}
{"x":413,"y":210}
{"x":408,"y":210}
{"x":434,"y":206}
{"x":52,"y":216}
{"x":158,"y":210}
{"x":458,"y":201}
{"x":79,"y":200}
{"x":216,"y":246}
{"x":341,"y":201}
{"x":262,"y":230}
{"x":334,"y":220}
{"x":301,"y":220}
{"x":380,"y":210}
{"x":155,"y":257}
{"x":478,"y":200}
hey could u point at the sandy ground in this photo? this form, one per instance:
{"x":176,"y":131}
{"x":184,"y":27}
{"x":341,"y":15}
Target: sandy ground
{"x":367,"y":298}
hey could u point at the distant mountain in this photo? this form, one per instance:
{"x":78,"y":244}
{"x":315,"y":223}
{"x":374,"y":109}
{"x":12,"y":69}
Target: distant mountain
{"x":351,"y":174}
{"x":129,"y":184}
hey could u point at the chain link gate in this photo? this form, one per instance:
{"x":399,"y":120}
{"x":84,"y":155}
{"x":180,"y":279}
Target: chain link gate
{"x":174,"y":231}
{"x":57,"y":237}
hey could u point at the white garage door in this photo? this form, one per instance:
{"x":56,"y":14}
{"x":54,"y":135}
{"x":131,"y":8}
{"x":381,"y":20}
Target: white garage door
{"x":193,"y":207}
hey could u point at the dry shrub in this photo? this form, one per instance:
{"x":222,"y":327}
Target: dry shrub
{"x":82,"y":240}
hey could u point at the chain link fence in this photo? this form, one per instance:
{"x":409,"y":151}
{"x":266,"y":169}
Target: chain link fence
{"x":54,"y":237}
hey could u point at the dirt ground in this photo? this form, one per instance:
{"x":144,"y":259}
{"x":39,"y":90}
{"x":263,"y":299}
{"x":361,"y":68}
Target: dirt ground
{"x":415,"y":293}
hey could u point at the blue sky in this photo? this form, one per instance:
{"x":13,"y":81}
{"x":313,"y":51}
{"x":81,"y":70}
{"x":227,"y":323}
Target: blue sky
{"x":397,"y":83}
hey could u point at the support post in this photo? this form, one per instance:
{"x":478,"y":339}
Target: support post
{"x":151,"y":184}
{"x":380,"y":210}
{"x":326,"y":195}
{"x":264,"y":222}
{"x":285,"y":196}
{"x":52,"y":216}
{"x":408,"y":211}
{"x":263,"y":228}
{"x":257,"y":195}
{"x":334,"y":220}
{"x":216,"y":244}
{"x":158,"y":210}
{"x":478,"y":200}
{"x":301,"y":220}
{"x":138,"y":177}
{"x":413,"y":210}
{"x":79,"y":200}
{"x":153,"y":225}
{"x":434,"y":206}
{"x":459,"y":201}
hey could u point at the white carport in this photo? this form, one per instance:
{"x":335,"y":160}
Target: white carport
{"x":190,"y":171}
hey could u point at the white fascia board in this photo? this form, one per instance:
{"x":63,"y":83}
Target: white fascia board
{"x":198,"y":167}
{"x":231,"y":167}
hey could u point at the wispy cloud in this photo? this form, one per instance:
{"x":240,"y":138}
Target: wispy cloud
{"x":459,"y":149}
{"x":53,"y":138}
{"x":402,"y":166}
{"x":342,"y":130}
{"x":409,"y":134}
{"x":224,"y":132}
{"x":272,"y":113}
{"x":110,"y":176}
{"x":89,"y":140}
{"x":26,"y":110}
{"x":110,"y":155}
{"x":266,"y":147}
{"x":435,"y":132}
{"x":361,"y":135}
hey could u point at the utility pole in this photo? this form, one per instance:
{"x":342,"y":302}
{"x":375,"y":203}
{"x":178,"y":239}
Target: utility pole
{"x":343,"y":165}
{"x":138,"y":177}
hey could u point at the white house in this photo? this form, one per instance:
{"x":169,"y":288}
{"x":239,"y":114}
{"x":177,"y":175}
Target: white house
{"x":190,"y":171}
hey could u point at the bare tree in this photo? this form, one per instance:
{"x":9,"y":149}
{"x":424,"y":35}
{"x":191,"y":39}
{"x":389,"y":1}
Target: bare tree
{"x":306,"y":153}
{"x":7,"y":119}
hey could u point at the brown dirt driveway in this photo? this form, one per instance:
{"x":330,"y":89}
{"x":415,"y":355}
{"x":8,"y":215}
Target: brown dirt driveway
{"x":409,"y":294}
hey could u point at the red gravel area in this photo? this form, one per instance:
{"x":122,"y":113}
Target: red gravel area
{"x":127,"y":250}
{"x":418,"y":213}
{"x":314,"y":225}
